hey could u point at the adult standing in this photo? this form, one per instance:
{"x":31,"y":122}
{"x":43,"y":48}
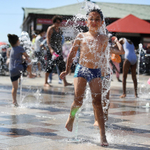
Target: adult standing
{"x":129,"y":62}
{"x":54,"y":56}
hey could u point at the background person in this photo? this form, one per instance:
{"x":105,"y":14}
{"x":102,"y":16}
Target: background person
{"x":129,"y":62}
{"x":54,"y":56}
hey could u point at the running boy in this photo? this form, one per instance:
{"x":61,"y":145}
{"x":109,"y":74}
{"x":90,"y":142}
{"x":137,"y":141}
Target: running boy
{"x":16,"y":65}
{"x":90,"y":69}
{"x":92,"y":44}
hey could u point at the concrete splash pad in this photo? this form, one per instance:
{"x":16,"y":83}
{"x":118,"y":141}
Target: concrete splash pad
{"x":42,"y":126}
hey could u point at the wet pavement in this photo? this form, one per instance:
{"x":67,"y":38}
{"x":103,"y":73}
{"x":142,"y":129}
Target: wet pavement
{"x":38,"y":123}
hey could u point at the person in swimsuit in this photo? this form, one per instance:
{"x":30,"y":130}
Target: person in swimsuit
{"x":129,"y":62}
{"x":54,"y":54}
{"x":90,"y":69}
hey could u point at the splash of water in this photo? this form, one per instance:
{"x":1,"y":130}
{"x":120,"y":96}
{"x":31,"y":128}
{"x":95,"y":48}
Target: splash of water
{"x":81,"y":16}
{"x":31,"y":98}
{"x":138,"y":71}
{"x":144,"y":91}
{"x":26,"y":43}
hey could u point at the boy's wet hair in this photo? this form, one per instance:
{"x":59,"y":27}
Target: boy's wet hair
{"x":12,"y":38}
{"x":95,"y":10}
{"x":55,"y":18}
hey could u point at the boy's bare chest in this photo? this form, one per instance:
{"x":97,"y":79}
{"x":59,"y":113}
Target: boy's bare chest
{"x":92,"y":44}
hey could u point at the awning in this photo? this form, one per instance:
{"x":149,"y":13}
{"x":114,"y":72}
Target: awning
{"x":130,"y":24}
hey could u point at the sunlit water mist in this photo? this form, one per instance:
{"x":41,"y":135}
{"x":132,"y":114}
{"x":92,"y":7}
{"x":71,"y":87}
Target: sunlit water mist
{"x":144,"y":88}
{"x":29,"y":98}
{"x":107,"y":77}
{"x":26,"y":43}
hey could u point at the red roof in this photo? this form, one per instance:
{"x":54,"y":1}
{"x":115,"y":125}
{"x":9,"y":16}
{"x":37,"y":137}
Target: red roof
{"x":130,"y":24}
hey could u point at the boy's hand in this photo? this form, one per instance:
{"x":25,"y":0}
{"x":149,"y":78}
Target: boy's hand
{"x":63,"y":74}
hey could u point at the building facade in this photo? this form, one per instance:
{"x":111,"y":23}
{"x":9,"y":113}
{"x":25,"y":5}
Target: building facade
{"x":36,"y":19}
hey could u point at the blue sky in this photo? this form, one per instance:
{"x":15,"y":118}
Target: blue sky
{"x":11,"y":13}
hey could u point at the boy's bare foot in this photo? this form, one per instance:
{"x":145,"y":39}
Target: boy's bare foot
{"x":104,"y":141}
{"x":69,"y":123}
{"x":47,"y":85}
{"x":123,"y":96}
{"x":95,"y":123}
{"x":67,"y":84}
{"x":15,"y":104}
{"x":104,"y":144}
{"x":136,"y":96}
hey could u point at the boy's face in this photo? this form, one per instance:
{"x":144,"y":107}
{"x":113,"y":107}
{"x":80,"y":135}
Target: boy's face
{"x":94,"y":21}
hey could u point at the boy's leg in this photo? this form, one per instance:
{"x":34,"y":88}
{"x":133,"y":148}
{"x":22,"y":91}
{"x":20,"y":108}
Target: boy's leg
{"x":105,"y":112}
{"x":133,"y":71}
{"x":79,"y":90}
{"x":126,"y":66}
{"x":96,"y":91}
{"x":14,"y":91}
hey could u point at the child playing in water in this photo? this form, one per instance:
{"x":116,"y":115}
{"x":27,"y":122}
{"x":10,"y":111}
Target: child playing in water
{"x":90,"y":69}
{"x":15,"y":65}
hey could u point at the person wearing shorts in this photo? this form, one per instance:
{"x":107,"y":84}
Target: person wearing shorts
{"x":16,"y":67}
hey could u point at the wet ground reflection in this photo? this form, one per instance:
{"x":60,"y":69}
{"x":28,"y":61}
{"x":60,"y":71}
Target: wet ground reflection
{"x":47,"y":120}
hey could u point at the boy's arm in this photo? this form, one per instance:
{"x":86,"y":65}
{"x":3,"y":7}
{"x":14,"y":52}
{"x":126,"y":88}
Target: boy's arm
{"x":71,"y":55}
